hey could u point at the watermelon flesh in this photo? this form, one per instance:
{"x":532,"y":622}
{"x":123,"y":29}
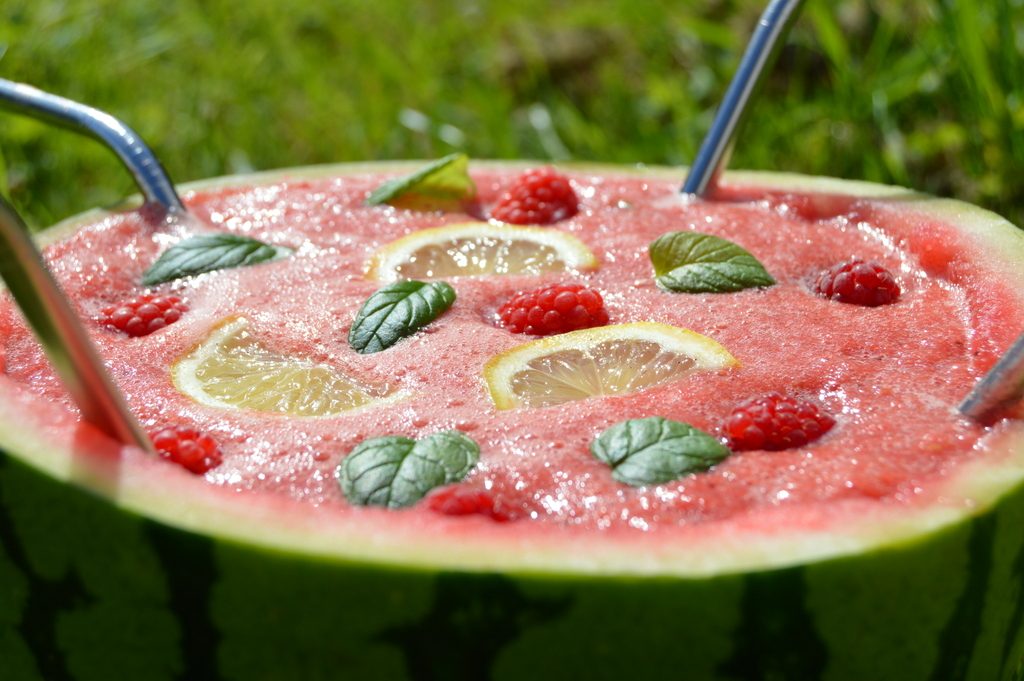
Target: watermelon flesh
{"x":890,"y":549}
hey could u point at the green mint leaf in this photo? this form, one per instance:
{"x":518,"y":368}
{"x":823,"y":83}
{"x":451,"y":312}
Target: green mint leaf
{"x":654,"y":450}
{"x":396,"y":311}
{"x":442,"y":185}
{"x":397,"y":471}
{"x":209,"y":252}
{"x":689,"y":262}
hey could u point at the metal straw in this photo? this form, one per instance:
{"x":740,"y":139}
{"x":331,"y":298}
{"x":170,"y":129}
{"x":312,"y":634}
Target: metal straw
{"x":1005,"y":381}
{"x":1000,"y":385}
{"x":717,"y":145}
{"x":149,"y":174}
{"x":47,"y":310}
{"x":61,"y":334}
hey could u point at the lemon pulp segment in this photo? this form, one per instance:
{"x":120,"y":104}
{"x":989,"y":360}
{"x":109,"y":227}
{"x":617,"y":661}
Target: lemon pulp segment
{"x":607,"y":360}
{"x":230,"y":369}
{"x":475,"y":249}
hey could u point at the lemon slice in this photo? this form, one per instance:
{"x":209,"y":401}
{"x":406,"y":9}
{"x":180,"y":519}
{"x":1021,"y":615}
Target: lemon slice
{"x":231,"y":370}
{"x":607,"y":360}
{"x":479,"y":248}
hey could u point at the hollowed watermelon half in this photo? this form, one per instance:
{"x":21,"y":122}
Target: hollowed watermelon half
{"x":890,"y":549}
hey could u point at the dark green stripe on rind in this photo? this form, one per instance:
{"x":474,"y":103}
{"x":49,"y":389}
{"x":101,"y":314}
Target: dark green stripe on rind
{"x":477,"y":614}
{"x":626,"y":628}
{"x":41,"y":602}
{"x":18,"y":661}
{"x":889,"y":614}
{"x":776,"y":639}
{"x":1000,"y":640}
{"x":966,"y":622}
{"x":1016,"y":624}
{"x":191,"y":573}
{"x":109,"y":618}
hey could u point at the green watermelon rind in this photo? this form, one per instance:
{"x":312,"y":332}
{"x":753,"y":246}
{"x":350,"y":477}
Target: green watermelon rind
{"x":933,"y":593}
{"x":945,"y":605}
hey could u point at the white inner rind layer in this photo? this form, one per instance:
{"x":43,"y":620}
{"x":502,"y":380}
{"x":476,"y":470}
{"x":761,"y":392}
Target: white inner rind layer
{"x":772,"y":538}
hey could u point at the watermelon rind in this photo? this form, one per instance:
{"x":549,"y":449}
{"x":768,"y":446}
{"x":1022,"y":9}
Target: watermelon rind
{"x":115,"y":566}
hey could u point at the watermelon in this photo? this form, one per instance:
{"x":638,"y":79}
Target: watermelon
{"x":902,"y":560}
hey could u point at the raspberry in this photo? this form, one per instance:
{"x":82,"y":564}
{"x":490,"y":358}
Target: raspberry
{"x":144,"y":314}
{"x":187,"y":447}
{"x":537,"y":197}
{"x":553,"y":309}
{"x":456,"y":500}
{"x":858,"y":282}
{"x":775,"y":422}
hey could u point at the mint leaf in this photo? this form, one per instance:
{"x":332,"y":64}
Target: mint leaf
{"x":690,"y":262}
{"x":442,"y":185}
{"x":397,"y":471}
{"x":209,"y":252}
{"x":655,"y":450}
{"x":396,"y":311}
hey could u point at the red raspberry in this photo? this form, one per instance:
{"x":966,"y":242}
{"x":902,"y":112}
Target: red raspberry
{"x":457,"y":500}
{"x":775,"y":422}
{"x":187,"y":447}
{"x":553,"y":309}
{"x":860,"y":283}
{"x":144,"y":314}
{"x":537,"y":197}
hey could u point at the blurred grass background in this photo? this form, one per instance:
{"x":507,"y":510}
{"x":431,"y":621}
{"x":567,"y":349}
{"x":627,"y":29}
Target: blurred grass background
{"x":928,"y":94}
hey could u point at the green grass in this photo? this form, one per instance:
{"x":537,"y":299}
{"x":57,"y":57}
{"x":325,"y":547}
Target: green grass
{"x":926,"y":94}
